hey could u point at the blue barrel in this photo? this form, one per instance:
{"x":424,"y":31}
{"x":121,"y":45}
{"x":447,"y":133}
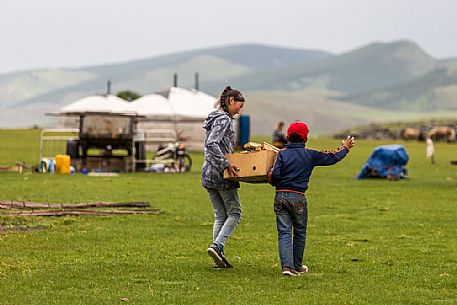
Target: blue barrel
{"x":44,"y":165}
{"x":244,"y":130}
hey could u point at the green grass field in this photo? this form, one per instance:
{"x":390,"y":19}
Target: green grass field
{"x":369,"y":241}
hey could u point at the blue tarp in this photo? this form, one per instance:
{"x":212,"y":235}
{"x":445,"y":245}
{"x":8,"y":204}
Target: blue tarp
{"x":386,"y":160}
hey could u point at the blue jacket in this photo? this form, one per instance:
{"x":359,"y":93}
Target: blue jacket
{"x":295,"y":163}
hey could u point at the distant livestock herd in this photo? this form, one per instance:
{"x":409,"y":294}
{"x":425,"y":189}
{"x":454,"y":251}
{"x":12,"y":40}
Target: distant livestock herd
{"x":441,"y":133}
{"x":436,"y":133}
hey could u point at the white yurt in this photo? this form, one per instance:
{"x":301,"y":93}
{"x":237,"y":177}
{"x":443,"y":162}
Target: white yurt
{"x":176,"y":113}
{"x":111,"y":104}
{"x":153,"y":106}
{"x":99,"y":104}
{"x":190,"y":104}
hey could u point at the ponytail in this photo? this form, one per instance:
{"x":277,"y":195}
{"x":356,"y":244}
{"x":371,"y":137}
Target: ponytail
{"x":229,"y":92}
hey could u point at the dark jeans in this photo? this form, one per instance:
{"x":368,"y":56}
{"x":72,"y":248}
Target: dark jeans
{"x":291,"y":212}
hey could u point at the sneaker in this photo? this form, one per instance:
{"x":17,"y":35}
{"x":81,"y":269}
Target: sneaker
{"x":302,"y":270}
{"x":217,"y":254}
{"x":286,"y":271}
{"x":226,"y":262}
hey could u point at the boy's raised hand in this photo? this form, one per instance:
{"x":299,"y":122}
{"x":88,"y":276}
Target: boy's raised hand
{"x":349,"y":142}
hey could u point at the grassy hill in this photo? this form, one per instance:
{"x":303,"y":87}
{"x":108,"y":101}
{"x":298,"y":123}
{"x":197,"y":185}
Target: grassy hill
{"x":434,"y":91}
{"x":147,"y":75}
{"x":372,"y":82}
{"x":25,"y":96}
{"x":373,"y":66}
{"x":322,"y":109}
{"x":311,"y":105}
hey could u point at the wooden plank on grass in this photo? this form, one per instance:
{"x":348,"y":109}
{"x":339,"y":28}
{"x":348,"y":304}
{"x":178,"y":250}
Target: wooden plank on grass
{"x":83,"y":212}
{"x":9,"y":204}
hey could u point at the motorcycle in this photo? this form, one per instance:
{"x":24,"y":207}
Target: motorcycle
{"x":174,"y":156}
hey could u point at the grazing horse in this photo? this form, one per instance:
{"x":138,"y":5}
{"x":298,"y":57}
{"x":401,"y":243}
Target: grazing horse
{"x":443,"y":133}
{"x":410,"y":133}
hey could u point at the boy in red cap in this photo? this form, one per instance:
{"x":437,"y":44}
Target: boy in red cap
{"x":290,"y":175}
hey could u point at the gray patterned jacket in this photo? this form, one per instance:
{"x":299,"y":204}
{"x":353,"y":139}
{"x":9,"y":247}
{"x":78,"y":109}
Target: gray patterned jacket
{"x":219,"y":140}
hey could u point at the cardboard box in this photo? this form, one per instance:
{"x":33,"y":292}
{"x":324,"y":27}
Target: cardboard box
{"x":254,"y":166}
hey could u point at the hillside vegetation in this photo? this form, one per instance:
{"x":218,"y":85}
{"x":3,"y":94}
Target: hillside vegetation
{"x":434,"y":91}
{"x":376,"y":65}
{"x":368,"y":84}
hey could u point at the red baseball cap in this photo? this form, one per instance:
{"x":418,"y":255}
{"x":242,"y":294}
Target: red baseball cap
{"x":299,"y":128}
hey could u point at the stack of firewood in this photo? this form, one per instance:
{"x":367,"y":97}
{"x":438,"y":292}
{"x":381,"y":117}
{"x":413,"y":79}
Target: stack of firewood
{"x":60,"y":209}
{"x":253,"y":146}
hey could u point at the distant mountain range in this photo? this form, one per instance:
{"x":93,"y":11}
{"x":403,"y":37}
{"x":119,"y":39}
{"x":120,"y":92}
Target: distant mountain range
{"x":376,"y":82}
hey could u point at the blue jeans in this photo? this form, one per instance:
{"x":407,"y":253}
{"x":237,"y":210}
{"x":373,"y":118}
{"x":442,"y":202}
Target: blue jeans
{"x":291,"y":211}
{"x":227,"y":213}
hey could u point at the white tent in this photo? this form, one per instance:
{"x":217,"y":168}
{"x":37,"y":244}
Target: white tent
{"x":187,"y":104}
{"x":174,"y":104}
{"x":176,"y":112}
{"x":152,"y":106}
{"x":98,"y":103}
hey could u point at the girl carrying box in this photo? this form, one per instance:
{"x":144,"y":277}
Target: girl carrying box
{"x":223,"y":194}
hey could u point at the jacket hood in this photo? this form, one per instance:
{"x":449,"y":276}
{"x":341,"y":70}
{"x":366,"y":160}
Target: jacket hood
{"x":212,"y":117}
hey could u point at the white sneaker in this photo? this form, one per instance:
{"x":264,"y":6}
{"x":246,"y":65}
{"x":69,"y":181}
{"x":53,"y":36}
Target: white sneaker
{"x":302,"y":270}
{"x":289,"y":272}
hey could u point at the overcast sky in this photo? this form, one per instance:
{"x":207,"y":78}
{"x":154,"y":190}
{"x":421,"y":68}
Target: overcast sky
{"x":73,"y":33}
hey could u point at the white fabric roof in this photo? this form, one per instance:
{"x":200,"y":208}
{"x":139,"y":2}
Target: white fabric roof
{"x":98,"y":103}
{"x":152,"y":105}
{"x":190,"y":103}
{"x":181,"y":104}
